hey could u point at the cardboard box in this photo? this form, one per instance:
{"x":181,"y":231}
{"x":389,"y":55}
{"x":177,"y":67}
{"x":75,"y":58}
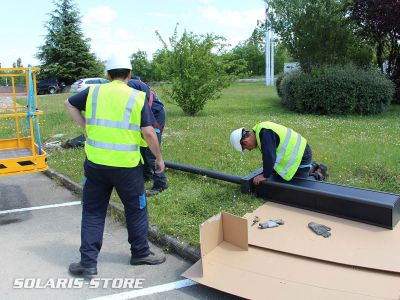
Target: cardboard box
{"x":350,"y":243}
{"x":228,"y":263}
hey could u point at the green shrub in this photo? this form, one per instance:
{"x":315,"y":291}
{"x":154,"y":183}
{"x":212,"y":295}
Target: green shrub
{"x":396,"y":98}
{"x":337,"y":90}
{"x":278,"y":83}
{"x":196,"y":70}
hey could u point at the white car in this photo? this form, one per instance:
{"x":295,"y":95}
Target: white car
{"x":84,"y":83}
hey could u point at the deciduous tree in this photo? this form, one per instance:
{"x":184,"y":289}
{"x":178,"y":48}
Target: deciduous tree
{"x":315,"y":32}
{"x":379,"y":21}
{"x":159,"y":60}
{"x":252,"y":51}
{"x":141,"y":66}
{"x":195,"y":69}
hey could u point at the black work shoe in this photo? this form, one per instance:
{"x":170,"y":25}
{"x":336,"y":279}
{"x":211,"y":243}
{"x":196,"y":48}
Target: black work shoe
{"x":78,"y":270}
{"x":151,"y":259}
{"x":323,"y":171}
{"x":314,"y":167}
{"x":154,"y":191}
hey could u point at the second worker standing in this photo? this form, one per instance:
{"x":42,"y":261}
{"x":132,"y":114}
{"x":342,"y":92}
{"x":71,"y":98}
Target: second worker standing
{"x":158,"y":110}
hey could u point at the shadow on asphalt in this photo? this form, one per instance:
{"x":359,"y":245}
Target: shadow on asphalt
{"x":12,"y":197}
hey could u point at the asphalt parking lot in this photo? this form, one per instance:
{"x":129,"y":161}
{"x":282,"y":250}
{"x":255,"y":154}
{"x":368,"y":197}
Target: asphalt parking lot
{"x":40,"y":237}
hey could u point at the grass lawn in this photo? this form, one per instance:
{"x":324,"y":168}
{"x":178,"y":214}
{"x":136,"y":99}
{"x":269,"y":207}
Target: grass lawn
{"x":360,"y":151}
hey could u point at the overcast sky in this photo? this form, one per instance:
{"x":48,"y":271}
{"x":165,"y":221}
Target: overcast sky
{"x":125,"y":26}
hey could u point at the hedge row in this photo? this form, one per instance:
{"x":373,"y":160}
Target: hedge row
{"x":336,"y":90}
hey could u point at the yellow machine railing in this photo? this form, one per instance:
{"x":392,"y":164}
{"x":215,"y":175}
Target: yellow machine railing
{"x":19,"y":155}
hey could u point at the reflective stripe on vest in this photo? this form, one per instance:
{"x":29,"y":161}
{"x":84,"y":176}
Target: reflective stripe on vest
{"x":290,"y":149}
{"x":283,"y":149}
{"x":128,"y":110}
{"x":295,"y":153}
{"x":113,"y":117}
{"x":109,"y":146}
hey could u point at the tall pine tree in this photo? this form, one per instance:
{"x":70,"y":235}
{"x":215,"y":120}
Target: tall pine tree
{"x":66,"y":53}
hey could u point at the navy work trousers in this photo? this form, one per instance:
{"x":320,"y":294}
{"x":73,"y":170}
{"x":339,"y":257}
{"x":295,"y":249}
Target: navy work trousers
{"x":97,"y":189}
{"x":306,"y":161}
{"x":149,"y":169}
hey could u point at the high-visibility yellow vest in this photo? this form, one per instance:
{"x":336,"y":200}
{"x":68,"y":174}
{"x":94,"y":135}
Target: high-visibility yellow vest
{"x":290,"y":149}
{"x":113,"y":115}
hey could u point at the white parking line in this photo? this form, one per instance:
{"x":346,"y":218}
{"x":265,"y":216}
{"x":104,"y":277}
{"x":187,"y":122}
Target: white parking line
{"x":149,"y":291}
{"x":3,"y":212}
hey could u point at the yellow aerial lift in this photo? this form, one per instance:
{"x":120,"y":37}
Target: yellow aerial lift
{"x":21,"y":154}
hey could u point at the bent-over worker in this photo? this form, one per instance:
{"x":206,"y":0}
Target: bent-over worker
{"x":284,"y":151}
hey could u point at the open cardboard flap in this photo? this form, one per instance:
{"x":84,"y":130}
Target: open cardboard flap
{"x":350,"y":243}
{"x":251,"y":272}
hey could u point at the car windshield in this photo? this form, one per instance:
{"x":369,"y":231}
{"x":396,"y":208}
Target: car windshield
{"x":91,"y":81}
{"x":78,"y":82}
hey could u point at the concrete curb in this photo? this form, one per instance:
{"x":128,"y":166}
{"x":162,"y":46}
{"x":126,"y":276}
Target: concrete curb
{"x":116,"y":211}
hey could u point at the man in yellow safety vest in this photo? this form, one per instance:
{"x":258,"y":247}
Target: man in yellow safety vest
{"x":284,"y":151}
{"x":115,"y":117}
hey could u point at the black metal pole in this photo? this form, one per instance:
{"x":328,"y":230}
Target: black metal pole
{"x":362,"y":205}
{"x":212,"y":174}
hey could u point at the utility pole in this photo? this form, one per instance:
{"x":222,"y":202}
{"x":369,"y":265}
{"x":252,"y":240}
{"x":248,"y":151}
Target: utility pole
{"x":272,"y":69}
{"x":269,"y":51}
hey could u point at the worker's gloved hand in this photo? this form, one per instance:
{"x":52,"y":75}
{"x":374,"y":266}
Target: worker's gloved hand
{"x":320,"y":229}
{"x":271,"y":224}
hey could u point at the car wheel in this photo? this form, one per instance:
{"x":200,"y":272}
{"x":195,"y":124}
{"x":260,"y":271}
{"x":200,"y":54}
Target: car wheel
{"x":52,"y":90}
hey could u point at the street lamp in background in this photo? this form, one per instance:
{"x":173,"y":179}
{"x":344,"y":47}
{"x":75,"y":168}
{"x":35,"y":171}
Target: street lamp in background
{"x":269,"y":51}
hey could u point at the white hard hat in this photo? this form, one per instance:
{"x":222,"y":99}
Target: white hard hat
{"x":118,"y":62}
{"x":236,"y":136}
